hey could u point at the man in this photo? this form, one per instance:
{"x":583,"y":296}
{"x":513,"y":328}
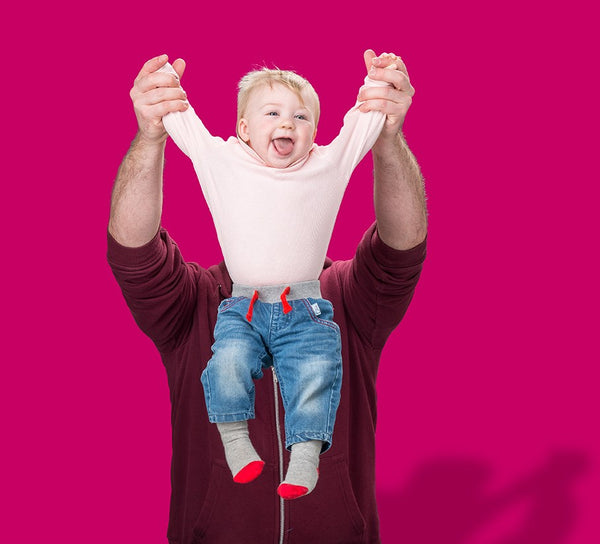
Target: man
{"x":175,"y":303}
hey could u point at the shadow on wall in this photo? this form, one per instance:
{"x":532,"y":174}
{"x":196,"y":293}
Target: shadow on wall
{"x":448,"y":502}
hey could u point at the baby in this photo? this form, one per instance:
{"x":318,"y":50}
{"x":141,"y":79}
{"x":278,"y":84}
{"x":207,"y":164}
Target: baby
{"x":274,"y":195}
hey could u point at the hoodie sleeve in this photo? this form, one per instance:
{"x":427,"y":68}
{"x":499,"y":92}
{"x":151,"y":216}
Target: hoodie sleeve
{"x":378,"y":286}
{"x":159,"y":287}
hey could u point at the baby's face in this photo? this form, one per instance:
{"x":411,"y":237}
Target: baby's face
{"x":278,"y":124}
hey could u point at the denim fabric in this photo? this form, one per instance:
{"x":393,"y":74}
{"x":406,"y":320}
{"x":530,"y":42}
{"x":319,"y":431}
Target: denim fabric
{"x":303,"y":345}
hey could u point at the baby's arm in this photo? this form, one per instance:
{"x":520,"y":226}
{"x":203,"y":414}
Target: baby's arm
{"x":358,"y":134}
{"x":186,"y":129}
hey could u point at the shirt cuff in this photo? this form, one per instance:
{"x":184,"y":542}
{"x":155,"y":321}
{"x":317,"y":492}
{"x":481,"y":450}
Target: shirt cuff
{"x":135,"y":256}
{"x":376,"y":83}
{"x":397,"y":258}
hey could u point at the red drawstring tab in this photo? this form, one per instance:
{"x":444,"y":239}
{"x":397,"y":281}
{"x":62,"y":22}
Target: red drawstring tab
{"x":251,"y":307}
{"x":286,"y":305}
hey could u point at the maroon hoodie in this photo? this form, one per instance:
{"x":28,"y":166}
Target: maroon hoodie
{"x":175,"y":304}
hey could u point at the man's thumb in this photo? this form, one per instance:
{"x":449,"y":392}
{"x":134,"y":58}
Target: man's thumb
{"x":369,"y":55}
{"x":179,"y":67}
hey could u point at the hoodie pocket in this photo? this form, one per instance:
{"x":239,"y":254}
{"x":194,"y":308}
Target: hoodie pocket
{"x":236,"y":513}
{"x":330,"y":513}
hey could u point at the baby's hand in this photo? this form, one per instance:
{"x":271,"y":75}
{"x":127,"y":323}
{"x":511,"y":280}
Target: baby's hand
{"x":387,"y":60}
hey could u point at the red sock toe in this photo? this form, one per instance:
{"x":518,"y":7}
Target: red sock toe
{"x":250,"y":472}
{"x":289,"y":491}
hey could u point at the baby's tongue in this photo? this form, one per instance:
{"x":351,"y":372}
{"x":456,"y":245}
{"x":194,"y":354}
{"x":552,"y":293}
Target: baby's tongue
{"x":283,"y":146}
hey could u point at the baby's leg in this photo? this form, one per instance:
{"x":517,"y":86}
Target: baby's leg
{"x":307,"y":359}
{"x":242,"y":459}
{"x":303,"y":470}
{"x":238,"y":354}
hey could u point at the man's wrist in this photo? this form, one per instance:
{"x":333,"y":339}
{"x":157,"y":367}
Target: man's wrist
{"x":387,"y":143}
{"x":144,"y":141}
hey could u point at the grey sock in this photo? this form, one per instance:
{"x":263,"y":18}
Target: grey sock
{"x":239,"y":451}
{"x":302,"y":470}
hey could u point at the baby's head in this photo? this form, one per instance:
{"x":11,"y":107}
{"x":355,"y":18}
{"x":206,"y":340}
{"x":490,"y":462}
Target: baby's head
{"x":278,"y":112}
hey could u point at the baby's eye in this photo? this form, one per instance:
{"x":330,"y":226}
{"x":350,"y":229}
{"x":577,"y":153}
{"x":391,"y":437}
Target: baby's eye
{"x":301,"y":116}
{"x":273,"y":113}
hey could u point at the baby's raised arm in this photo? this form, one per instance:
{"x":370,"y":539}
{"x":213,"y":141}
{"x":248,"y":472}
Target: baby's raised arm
{"x":358,"y":134}
{"x":186,"y":129}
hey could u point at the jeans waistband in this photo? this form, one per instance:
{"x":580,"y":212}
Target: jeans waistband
{"x":272,"y":293}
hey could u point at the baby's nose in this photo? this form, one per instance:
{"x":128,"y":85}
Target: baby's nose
{"x":287,"y":122}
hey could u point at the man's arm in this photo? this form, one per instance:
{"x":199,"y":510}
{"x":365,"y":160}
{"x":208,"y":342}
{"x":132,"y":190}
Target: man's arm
{"x":159,"y":286}
{"x":399,"y":192}
{"x":136,"y":204}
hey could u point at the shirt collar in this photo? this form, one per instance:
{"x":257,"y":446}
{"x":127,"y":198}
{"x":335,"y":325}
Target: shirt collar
{"x":294,"y":166}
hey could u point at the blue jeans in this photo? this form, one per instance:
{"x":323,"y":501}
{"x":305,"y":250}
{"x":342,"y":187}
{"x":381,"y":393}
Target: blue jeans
{"x":303,"y":345}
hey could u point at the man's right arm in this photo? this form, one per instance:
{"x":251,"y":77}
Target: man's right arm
{"x":136,"y":204}
{"x":158,"y":285}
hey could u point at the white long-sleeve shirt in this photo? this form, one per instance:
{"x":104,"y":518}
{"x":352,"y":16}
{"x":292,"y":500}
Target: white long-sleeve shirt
{"x":273,"y":224}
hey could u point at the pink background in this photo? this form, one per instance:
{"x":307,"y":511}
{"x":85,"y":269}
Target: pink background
{"x":488,"y":410}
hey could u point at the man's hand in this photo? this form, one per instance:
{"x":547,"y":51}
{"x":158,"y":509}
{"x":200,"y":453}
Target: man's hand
{"x":395,"y":100}
{"x":154,"y":94}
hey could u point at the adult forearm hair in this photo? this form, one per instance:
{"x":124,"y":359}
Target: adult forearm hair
{"x":399,"y":194}
{"x":137,"y":196}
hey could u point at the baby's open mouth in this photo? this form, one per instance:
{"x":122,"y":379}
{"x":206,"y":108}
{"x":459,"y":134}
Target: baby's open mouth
{"x":283,"y":146}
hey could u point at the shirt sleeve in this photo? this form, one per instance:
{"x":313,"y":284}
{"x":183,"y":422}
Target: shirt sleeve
{"x":378,"y":286}
{"x":159,"y":287}
{"x":357,"y":136}
{"x":187,"y":130}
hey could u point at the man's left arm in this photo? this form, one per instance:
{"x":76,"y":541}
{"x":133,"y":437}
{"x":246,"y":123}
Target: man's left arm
{"x":399,"y":193}
{"x":379,"y":283}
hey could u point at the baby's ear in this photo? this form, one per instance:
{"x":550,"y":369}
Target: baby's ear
{"x":242,"y":130}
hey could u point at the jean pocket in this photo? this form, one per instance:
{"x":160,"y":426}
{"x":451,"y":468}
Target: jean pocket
{"x":321,"y":311}
{"x":229,"y":302}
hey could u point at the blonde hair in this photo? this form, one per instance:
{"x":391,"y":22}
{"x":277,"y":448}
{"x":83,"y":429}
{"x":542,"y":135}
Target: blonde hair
{"x":267,"y":76}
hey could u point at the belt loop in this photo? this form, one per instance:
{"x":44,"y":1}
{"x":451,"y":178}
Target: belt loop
{"x":286,"y":305}
{"x":251,"y":307}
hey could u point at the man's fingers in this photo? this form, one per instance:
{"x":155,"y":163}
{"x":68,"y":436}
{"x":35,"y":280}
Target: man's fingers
{"x":158,"y":111}
{"x":389,"y":61}
{"x":387,"y":106}
{"x":379,"y":93}
{"x":161,"y":94}
{"x":385,"y":60}
{"x":155,"y":80}
{"x":397,"y":78}
{"x":384,"y":100}
{"x":152,"y":65}
{"x":387,"y":100}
